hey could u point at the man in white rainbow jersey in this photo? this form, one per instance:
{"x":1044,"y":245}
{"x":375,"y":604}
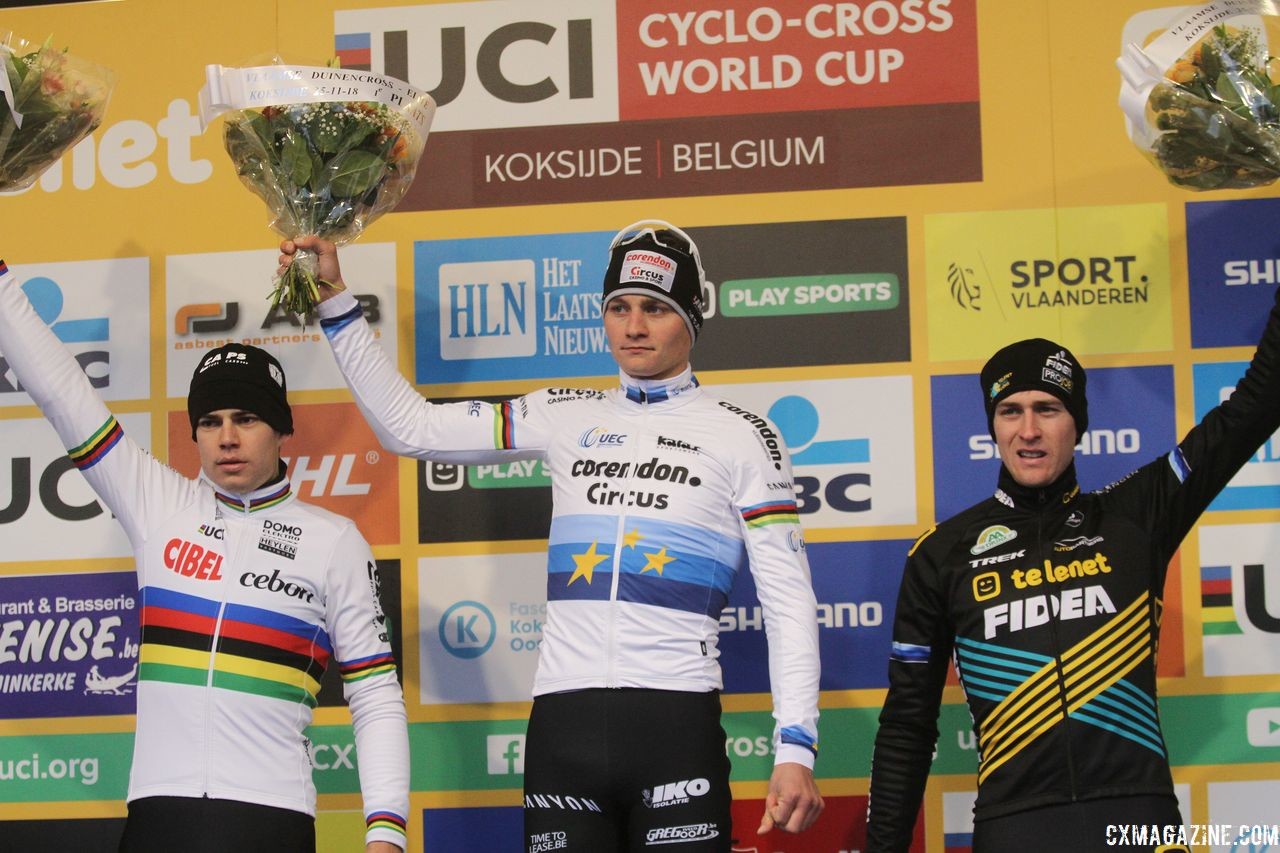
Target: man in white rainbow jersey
{"x":246,"y":595}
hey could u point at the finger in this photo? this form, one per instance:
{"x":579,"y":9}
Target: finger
{"x":766,"y":823}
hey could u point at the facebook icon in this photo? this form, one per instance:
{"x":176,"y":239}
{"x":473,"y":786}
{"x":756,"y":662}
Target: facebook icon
{"x":506,"y":754}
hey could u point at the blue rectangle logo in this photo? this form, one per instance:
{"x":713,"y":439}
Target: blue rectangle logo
{"x":1233,"y":265}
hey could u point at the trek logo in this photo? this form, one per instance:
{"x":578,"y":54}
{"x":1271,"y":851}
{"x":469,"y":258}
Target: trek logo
{"x":279,"y":539}
{"x":675,"y":793}
{"x":505,"y":754}
{"x":46,"y":297}
{"x":192,"y":561}
{"x":601,"y":437}
{"x":681,"y":834}
{"x":467,"y":630}
{"x":993,"y":537}
{"x":1002,"y":558}
{"x":1014,"y":616}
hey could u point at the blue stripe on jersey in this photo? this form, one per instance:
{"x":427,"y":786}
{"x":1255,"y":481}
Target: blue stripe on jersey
{"x":672,"y":594}
{"x":799,"y":737}
{"x":910,"y":653}
{"x":1178,"y":463}
{"x":332,"y":325}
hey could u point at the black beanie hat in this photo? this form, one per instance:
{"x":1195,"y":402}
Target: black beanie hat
{"x":656,"y":259}
{"x":1036,"y":364}
{"x":237,"y":376}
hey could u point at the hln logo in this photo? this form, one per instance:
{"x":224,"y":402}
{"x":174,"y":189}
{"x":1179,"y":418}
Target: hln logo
{"x":506,"y":754}
{"x":486,"y":310}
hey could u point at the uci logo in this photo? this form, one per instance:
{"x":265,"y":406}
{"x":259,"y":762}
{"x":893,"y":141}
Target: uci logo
{"x":600,"y":437}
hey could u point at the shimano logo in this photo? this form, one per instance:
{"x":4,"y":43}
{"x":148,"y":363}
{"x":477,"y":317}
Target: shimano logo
{"x":600,"y":437}
{"x":681,"y":834}
{"x":675,"y":793}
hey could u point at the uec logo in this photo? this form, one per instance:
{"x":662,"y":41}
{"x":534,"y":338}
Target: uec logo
{"x":599,"y":436}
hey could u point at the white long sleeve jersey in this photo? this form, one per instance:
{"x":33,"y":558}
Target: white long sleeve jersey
{"x":244,"y":600}
{"x":661,"y":493}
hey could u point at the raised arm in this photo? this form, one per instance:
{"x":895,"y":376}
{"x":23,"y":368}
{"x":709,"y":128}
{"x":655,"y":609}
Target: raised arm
{"x":125,"y":477}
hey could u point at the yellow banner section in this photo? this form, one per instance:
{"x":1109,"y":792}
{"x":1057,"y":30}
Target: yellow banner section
{"x":1095,"y":276}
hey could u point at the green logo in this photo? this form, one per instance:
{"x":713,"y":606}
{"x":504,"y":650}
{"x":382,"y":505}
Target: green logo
{"x":520,"y":474}
{"x":993,"y":537}
{"x":809,"y":294}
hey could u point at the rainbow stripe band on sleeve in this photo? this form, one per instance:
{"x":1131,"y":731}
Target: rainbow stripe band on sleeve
{"x":4,"y":268}
{"x":362,"y":668}
{"x":90,"y":453}
{"x":504,"y":426}
{"x":773,"y":512}
{"x":386,"y":820}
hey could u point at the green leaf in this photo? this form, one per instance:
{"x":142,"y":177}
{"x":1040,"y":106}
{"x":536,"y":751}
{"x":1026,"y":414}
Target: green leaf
{"x":354,"y":173}
{"x":295,"y":159}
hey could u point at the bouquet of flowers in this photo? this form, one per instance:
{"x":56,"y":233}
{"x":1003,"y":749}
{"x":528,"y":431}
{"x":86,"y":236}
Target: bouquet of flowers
{"x":49,"y":101}
{"x":328,"y":150}
{"x":1202,"y":102}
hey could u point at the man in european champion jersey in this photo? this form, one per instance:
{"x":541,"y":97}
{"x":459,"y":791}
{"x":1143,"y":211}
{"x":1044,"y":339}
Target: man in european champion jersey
{"x":245,"y":595}
{"x":1049,"y":600}
{"x":662,"y":493}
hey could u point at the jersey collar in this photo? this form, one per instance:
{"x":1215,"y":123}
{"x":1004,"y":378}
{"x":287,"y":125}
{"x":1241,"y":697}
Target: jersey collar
{"x":1060,"y":492}
{"x":656,"y":391}
{"x":272,"y":494}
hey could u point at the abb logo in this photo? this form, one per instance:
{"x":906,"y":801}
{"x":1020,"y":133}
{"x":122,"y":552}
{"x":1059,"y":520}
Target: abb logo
{"x":191,"y":560}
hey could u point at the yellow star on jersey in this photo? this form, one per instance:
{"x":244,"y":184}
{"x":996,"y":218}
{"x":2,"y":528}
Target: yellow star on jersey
{"x":631,"y":539}
{"x":586,"y":564}
{"x":657,"y":562}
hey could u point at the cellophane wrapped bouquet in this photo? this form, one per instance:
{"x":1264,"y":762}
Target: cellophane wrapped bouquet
{"x":1202,"y":98}
{"x":329,"y":150}
{"x":49,"y":101}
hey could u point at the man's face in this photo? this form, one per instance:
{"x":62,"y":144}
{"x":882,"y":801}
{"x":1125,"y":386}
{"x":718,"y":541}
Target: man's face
{"x":647,"y":337}
{"x":238,"y":450}
{"x":1036,"y":436}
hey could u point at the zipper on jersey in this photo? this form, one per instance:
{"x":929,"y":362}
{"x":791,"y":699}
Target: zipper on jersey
{"x":611,"y":675}
{"x":233,"y":559}
{"x":1057,"y":660}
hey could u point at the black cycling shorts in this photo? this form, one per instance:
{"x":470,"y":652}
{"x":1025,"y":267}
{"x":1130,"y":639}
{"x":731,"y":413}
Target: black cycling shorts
{"x":204,"y":825}
{"x":626,"y":769}
{"x":1089,"y":826}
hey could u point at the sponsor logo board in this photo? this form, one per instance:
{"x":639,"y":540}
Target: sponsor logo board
{"x":851,"y":445}
{"x":47,"y":509}
{"x":529,"y":307}
{"x":481,"y":626}
{"x":335,"y":462}
{"x":841,"y":828}
{"x":1094,"y":278}
{"x":68,"y":645}
{"x":479,"y":828}
{"x":37,"y":768}
{"x":712,"y":98}
{"x":220,"y":297}
{"x":856,"y":584}
{"x":1239,"y":588}
{"x":1257,"y":484}
{"x":98,"y":311}
{"x":1233,"y":266}
{"x":1248,"y":809}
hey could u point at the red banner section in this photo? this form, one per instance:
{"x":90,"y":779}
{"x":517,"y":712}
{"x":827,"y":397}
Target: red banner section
{"x":732,"y":58}
{"x":882,"y":146}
